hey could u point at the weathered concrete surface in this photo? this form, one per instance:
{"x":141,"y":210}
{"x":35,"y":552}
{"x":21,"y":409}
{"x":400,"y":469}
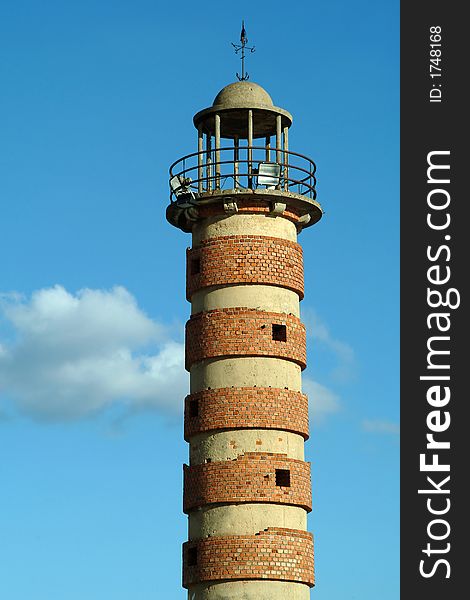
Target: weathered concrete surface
{"x":261,"y":297}
{"x":238,"y":519}
{"x":244,"y":225}
{"x":242,"y":93}
{"x":228,"y":445}
{"x":245,"y":371}
{"x":250,"y":590}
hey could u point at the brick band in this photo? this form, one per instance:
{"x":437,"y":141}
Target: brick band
{"x":245,"y":408}
{"x":246,"y":259}
{"x":252,"y":477}
{"x":275,"y":554}
{"x":244,"y":332}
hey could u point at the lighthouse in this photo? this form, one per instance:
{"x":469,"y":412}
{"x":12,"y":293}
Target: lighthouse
{"x":245,"y":196}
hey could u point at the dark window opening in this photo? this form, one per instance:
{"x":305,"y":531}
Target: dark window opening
{"x":193,"y":408}
{"x":195,"y":266}
{"x":279,"y":333}
{"x":283,"y":477}
{"x":192,"y":557}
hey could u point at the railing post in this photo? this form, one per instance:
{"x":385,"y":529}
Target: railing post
{"x":278,"y":142}
{"x":312,"y":178}
{"x":208,"y":162}
{"x":200,"y":158}
{"x":286,"y":159}
{"x":217,"y":151}
{"x":268,"y":149}
{"x":235,"y":161}
{"x":250,"y":151}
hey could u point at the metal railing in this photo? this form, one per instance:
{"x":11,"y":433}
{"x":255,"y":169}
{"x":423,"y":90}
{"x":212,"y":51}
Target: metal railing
{"x":237,"y":167}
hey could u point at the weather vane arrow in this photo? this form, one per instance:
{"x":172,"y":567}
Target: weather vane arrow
{"x":241,"y":48}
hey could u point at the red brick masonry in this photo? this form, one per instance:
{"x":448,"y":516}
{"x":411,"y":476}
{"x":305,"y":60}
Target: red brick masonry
{"x":249,"y":478}
{"x":275,"y":553}
{"x":245,"y":259}
{"x":243,"y":332}
{"x":246,"y":408}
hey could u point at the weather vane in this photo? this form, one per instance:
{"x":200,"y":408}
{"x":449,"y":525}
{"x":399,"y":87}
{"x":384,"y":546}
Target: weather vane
{"x":244,"y":41}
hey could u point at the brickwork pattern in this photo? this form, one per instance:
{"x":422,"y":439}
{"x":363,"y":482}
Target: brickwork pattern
{"x":249,"y":478}
{"x":243,"y":332}
{"x":246,"y":408}
{"x":276,"y":553}
{"x":233,"y":260}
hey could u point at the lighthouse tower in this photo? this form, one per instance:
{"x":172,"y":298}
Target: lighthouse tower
{"x":245,"y":196}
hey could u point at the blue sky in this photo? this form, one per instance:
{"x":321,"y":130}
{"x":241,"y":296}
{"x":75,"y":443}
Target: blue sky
{"x":96,"y":102}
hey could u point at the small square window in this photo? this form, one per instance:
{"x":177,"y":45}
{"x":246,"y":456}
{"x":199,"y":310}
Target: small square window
{"x":195,"y":266}
{"x":192,"y":557}
{"x":283,"y":477}
{"x":279,"y":333}
{"x":193,"y":408}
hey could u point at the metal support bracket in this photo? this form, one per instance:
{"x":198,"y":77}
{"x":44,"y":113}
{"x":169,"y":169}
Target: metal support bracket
{"x":303,"y":220}
{"x":277,"y":208}
{"x":230,"y":206}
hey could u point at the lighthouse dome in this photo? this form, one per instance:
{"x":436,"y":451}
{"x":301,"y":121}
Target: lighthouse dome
{"x":243,"y":94}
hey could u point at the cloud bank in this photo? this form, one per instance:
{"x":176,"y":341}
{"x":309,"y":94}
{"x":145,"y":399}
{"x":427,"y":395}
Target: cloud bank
{"x":380,"y":426}
{"x":322,"y":401}
{"x":67,"y":356}
{"x":72,"y":355}
{"x":345,"y":368}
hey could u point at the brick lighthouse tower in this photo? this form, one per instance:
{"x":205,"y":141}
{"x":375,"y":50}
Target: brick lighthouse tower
{"x":244,"y":196}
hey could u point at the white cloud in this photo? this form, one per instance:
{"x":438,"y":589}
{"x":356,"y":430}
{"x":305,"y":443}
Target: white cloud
{"x":380,"y":426}
{"x":321,"y":400}
{"x":345,"y":368}
{"x":74,"y":355}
